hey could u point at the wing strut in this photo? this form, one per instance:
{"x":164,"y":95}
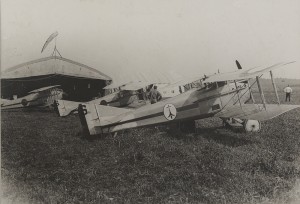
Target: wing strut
{"x":261,"y":93}
{"x":237,"y":91}
{"x":274,"y":86}
{"x":250,"y":91}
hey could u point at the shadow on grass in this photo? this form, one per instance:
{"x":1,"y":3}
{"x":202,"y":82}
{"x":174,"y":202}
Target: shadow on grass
{"x":92,"y":138}
{"x":221,"y":135}
{"x":216,"y":135}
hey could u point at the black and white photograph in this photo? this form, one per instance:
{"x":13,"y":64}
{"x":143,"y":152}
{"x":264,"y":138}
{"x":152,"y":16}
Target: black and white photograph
{"x":150,"y":101}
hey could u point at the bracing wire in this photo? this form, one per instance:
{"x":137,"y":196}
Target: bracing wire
{"x":237,"y":93}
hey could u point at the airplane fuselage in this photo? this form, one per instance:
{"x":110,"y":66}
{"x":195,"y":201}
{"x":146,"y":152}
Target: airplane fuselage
{"x":117,"y":99}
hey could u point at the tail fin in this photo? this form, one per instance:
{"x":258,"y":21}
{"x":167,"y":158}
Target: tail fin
{"x":94,"y":116}
{"x":82,"y":111}
{"x":64,"y":107}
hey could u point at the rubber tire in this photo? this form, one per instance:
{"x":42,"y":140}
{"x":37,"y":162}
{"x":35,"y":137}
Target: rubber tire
{"x":252,"y":126}
{"x":103,"y":103}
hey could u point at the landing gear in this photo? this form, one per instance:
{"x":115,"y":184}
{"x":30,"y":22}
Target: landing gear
{"x":232,"y":123}
{"x":247,"y":125}
{"x":103,"y":102}
{"x":252,"y":126}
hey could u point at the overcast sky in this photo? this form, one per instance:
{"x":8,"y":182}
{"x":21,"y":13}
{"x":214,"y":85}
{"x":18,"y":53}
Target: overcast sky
{"x":118,"y":36}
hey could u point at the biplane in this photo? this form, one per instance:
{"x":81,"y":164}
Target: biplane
{"x":120,"y":98}
{"x":125,"y":94}
{"x":42,"y":97}
{"x":223,"y":95}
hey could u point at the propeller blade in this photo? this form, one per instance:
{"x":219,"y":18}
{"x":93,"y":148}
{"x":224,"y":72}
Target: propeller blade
{"x":238,"y":64}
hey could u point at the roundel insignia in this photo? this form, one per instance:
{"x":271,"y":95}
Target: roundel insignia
{"x":170,"y":111}
{"x":24,"y":102}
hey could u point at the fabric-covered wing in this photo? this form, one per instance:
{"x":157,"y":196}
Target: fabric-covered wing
{"x":130,"y":86}
{"x":135,"y":86}
{"x":117,"y":84}
{"x":255,"y":111}
{"x":138,"y":80}
{"x":244,"y":74}
{"x":183,"y":82}
{"x":43,"y":89}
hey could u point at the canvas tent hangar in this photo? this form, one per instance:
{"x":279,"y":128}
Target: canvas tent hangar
{"x":79,"y":81}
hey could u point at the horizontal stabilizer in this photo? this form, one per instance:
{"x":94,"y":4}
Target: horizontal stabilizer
{"x":255,"y":111}
{"x":93,"y":116}
{"x":65,"y":107}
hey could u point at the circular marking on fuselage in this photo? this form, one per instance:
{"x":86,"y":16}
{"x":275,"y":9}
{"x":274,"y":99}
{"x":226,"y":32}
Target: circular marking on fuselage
{"x":170,"y":111}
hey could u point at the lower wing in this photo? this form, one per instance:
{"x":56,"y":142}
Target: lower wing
{"x":255,"y":111}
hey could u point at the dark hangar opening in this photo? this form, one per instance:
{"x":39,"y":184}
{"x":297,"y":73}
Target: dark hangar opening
{"x":78,"y":81}
{"x":75,"y":89}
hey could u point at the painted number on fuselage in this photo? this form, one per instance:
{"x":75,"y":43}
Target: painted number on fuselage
{"x":170,"y":111}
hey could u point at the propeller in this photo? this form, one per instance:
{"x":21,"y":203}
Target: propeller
{"x":240,"y":67}
{"x":238,"y":64}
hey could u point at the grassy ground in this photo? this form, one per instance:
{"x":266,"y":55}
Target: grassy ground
{"x":46,"y":160}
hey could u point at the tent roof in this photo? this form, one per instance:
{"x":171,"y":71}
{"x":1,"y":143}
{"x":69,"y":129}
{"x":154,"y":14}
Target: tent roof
{"x":53,"y":65}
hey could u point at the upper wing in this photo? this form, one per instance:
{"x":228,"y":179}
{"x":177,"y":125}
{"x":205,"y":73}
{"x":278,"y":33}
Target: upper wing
{"x":43,"y":89}
{"x":135,"y":86}
{"x":183,"y":82}
{"x":132,"y":86}
{"x":140,"y":80}
{"x":255,"y":111}
{"x":117,"y":84}
{"x":244,"y":74}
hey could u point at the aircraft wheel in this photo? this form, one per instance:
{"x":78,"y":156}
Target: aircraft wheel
{"x":226,"y":122}
{"x":104,"y":103}
{"x":252,"y":126}
{"x":24,"y":102}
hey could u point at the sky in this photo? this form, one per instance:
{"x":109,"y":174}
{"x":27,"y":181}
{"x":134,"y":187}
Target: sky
{"x":121,"y":37}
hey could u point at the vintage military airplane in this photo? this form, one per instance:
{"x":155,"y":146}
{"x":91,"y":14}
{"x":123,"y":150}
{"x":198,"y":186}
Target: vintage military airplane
{"x":126,"y":93}
{"x":42,"y":97}
{"x":130,"y":95}
{"x":224,"y":96}
{"x":120,"y":98}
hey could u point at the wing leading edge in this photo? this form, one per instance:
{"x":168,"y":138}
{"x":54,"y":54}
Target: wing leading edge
{"x":43,"y":89}
{"x":244,"y":74}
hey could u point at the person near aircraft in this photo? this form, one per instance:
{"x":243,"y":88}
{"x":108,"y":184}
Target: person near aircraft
{"x":155,"y":95}
{"x":288,"y":90}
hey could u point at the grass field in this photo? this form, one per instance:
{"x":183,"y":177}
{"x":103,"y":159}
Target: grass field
{"x":45,"y":159}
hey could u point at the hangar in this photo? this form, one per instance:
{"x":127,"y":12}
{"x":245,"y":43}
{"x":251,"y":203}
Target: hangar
{"x":79,"y":82}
